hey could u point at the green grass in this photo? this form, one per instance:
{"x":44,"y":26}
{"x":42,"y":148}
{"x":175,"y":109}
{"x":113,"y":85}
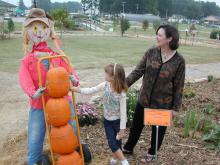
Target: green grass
{"x":95,"y":52}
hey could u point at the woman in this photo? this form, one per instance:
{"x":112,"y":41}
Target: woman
{"x":163,"y":71}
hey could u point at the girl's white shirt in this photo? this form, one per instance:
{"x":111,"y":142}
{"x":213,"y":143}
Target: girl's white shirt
{"x":114,"y":104}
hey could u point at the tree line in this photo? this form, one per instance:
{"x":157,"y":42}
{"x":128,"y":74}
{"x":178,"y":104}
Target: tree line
{"x":189,"y":8}
{"x":47,"y":5}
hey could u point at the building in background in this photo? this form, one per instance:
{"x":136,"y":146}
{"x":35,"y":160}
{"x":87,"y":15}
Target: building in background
{"x":7,"y":8}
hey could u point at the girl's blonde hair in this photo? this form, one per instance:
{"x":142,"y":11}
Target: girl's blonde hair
{"x":118,"y":73}
{"x":26,"y":39}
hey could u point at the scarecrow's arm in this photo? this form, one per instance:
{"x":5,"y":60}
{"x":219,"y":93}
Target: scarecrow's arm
{"x":25,"y":80}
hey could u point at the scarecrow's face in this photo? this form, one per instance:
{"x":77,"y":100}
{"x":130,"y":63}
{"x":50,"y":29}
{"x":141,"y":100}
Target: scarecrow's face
{"x":38,"y":32}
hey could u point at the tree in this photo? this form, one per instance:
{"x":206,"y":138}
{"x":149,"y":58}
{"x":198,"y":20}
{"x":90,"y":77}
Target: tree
{"x":145,"y":25}
{"x":125,"y":25}
{"x":21,"y":5}
{"x":44,"y":4}
{"x":156,"y":25}
{"x":60,"y":16}
{"x":165,"y":8}
{"x":11,"y":26}
{"x":71,"y":6}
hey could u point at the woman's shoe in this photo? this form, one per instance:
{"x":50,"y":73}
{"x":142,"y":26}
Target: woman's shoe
{"x":148,"y":158}
{"x":126,"y":151}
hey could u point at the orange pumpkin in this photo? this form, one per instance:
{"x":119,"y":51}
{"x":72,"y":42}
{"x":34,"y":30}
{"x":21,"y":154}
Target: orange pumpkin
{"x":58,"y":111}
{"x":63,"y":139}
{"x":70,"y":159}
{"x":57,"y":83}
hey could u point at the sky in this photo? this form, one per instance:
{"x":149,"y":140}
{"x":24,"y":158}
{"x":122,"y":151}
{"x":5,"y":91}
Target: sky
{"x":28,"y":2}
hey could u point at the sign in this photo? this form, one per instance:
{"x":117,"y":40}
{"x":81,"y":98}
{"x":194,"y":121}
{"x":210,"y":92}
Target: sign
{"x":158,"y":117}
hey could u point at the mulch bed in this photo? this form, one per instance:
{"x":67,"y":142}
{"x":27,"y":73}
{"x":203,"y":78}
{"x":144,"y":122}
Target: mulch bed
{"x":175,"y":150}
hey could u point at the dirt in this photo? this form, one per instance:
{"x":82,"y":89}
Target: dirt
{"x":14,"y":115}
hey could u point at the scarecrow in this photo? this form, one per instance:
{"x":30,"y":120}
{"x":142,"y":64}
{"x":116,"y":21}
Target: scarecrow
{"x":38,"y":29}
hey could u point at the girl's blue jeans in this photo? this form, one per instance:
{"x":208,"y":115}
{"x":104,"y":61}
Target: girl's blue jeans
{"x":36,"y":134}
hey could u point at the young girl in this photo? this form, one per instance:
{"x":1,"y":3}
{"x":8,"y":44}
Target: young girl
{"x":38,"y":28}
{"x":114,"y":100}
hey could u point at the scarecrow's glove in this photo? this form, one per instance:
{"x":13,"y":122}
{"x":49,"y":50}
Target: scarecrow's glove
{"x":38,"y":93}
{"x":73,"y":80}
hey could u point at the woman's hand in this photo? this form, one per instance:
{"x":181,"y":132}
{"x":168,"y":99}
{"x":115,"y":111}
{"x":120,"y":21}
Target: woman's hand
{"x":174,"y":114}
{"x":120,"y":134}
{"x":38,"y":93}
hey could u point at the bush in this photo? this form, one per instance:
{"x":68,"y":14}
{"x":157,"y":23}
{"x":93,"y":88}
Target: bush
{"x":69,"y":24}
{"x":213,"y":34}
{"x":145,"y":25}
{"x":86,"y":114}
{"x":132,"y":97}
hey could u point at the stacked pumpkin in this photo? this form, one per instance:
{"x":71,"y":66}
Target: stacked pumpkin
{"x":58,"y":113}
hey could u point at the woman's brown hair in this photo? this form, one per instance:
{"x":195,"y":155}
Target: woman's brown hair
{"x":118,"y":73}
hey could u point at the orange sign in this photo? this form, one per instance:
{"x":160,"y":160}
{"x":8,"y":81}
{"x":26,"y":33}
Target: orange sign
{"x":158,"y":117}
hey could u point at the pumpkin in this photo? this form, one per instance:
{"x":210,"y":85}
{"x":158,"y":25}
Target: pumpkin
{"x":58,"y":111}
{"x":70,"y":159}
{"x":57,"y":82}
{"x":63,"y":139}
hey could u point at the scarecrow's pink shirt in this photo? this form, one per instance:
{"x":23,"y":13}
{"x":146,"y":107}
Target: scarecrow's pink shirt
{"x":28,"y":76}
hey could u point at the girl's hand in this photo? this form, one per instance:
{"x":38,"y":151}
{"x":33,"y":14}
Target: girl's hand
{"x":76,"y":89}
{"x":73,"y":80}
{"x":120,"y":135}
{"x":38,"y":93}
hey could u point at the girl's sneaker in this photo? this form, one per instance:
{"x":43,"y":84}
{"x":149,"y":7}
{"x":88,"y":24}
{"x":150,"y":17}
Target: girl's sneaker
{"x":113,"y":161}
{"x":124,"y":162}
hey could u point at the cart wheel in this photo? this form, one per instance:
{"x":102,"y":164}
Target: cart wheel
{"x":86,"y":153}
{"x":45,"y":160}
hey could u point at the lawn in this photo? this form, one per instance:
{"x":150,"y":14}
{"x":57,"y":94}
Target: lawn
{"x":94,"y":52}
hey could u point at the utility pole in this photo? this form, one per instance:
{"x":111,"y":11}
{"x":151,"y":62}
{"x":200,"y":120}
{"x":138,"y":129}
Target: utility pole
{"x":123,"y":5}
{"x":166,"y":13}
{"x":34,"y":4}
{"x":137,"y":8}
{"x":91,"y":14}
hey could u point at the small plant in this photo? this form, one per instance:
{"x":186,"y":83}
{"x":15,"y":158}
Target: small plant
{"x":145,"y":25}
{"x":132,"y":97}
{"x":86,"y":114}
{"x":209,"y":109}
{"x":196,"y":122}
{"x":213,"y":138}
{"x":210,"y":78}
{"x":190,"y":122}
{"x":188,"y":92}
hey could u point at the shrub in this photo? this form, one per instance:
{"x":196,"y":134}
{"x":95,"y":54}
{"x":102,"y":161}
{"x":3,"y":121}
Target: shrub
{"x":145,"y":25}
{"x":213,"y":34}
{"x":86,"y":114}
{"x":132,"y":97}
